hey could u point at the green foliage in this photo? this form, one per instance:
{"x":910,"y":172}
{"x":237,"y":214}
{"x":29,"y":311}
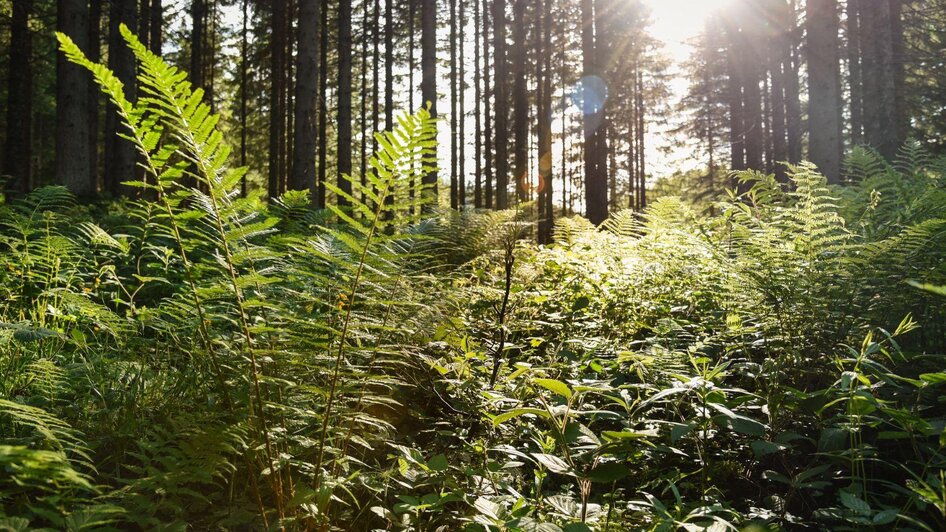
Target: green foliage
{"x":196,"y":359}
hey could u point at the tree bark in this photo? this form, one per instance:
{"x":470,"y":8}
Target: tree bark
{"x":487,"y":115}
{"x":389,"y":65}
{"x":277,"y":101}
{"x":17,"y":160}
{"x":854,"y":70}
{"x":119,"y":153}
{"x":501,"y":104}
{"x":94,"y":94}
{"x":544,"y":117}
{"x":454,"y":178}
{"x":156,"y":40}
{"x":344,"y":98}
{"x":520,"y":101}
{"x":880,"y":122}
{"x":307,"y":86}
{"x":428,"y":83}
{"x":72,"y":106}
{"x":596,"y":180}
{"x":824,"y":88}
{"x":477,"y":119}
{"x":323,"y":104}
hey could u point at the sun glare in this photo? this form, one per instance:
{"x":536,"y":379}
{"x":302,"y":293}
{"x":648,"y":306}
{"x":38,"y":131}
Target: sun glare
{"x":675,"y":22}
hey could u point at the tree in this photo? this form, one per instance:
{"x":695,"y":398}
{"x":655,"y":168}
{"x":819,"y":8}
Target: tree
{"x":544,"y":116}
{"x":880,"y":75}
{"x":344,"y":97}
{"x":277,"y":100}
{"x":307,"y":81}
{"x":73,"y":164}
{"x":17,"y":160}
{"x":501,"y":104}
{"x":156,"y":39}
{"x":428,"y":83}
{"x":323,"y":105}
{"x":120,"y":153}
{"x":593,"y":93}
{"x":824,"y":88}
{"x":520,"y":101}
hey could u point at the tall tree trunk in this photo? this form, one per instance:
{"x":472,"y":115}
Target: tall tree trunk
{"x":198,"y":28}
{"x":388,"y":65}
{"x":376,"y":74}
{"x":17,"y":159}
{"x":596,"y":185}
{"x":642,"y":161}
{"x":824,"y":88}
{"x":477,"y":119}
{"x":277,"y":110}
{"x":520,"y":101}
{"x":428,"y":89}
{"x":412,"y":19}
{"x":880,"y":77}
{"x":501,"y":104}
{"x":307,"y":86}
{"x":156,"y":40}
{"x":344,"y":98}
{"x":487,"y":115}
{"x":72,"y":106}
{"x":244,"y":74}
{"x":120,"y":153}
{"x":454,"y":178}
{"x":144,"y":23}
{"x":898,"y":65}
{"x":323,"y":104}
{"x":854,"y":69}
{"x":775,"y":51}
{"x":461,"y":117}
{"x":544,"y":117}
{"x":94,"y":94}
{"x":791,"y":62}
{"x":363,"y":98}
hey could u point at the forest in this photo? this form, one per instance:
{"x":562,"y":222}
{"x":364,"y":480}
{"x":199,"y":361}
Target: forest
{"x":487,"y":265}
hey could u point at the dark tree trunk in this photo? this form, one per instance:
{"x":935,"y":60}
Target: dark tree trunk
{"x":777,"y":99}
{"x":17,"y":160}
{"x":477,"y":119}
{"x":198,"y":28}
{"x":487,"y":115}
{"x":244,"y":74}
{"x":642,"y":161}
{"x":156,"y":40}
{"x":544,"y":114}
{"x":428,"y":84}
{"x":72,"y":106}
{"x":144,"y":23}
{"x":94,"y":94}
{"x":824,"y":88}
{"x":854,"y":69}
{"x":790,"y":63}
{"x":389,"y":65}
{"x":307,"y":86}
{"x":323,"y":104}
{"x":461,"y":118}
{"x":363,"y":98}
{"x":879,"y":78}
{"x":344,"y":98}
{"x":119,"y":153}
{"x":596,"y":179}
{"x":501,"y":104}
{"x":277,"y":101}
{"x":520,"y":101}
{"x":454,"y":178}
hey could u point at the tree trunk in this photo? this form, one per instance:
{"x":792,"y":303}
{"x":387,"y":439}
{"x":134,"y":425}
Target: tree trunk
{"x":72,"y":106}
{"x":119,"y":153}
{"x":307,"y":86}
{"x":879,"y":79}
{"x":461,"y":117}
{"x":454,"y":178}
{"x":501,"y":104}
{"x":854,"y":69}
{"x":17,"y":158}
{"x":596,"y":180}
{"x":94,"y":94}
{"x":477,"y":119}
{"x":244,"y":73}
{"x":277,"y":110}
{"x":520,"y":101}
{"x":428,"y":89}
{"x":323,"y":105}
{"x":389,"y":65}
{"x":363,"y":98}
{"x":487,"y":115}
{"x":790,"y":63}
{"x":824,"y":88}
{"x":544,"y":115}
{"x":144,"y":23}
{"x":777,"y":99}
{"x":198,"y":27}
{"x":344,"y":98}
{"x":156,"y":40}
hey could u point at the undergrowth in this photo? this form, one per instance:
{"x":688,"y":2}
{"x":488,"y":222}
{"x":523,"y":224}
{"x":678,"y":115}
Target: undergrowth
{"x":196,"y":359}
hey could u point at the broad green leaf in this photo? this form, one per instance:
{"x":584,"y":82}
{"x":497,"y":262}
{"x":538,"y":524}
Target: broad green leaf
{"x":555,"y":386}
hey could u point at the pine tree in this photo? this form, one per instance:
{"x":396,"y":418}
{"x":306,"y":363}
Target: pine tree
{"x":73,"y":165}
{"x":307,"y":80}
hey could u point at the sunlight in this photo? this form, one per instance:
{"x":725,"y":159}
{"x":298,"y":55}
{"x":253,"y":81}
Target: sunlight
{"x":675,"y":22}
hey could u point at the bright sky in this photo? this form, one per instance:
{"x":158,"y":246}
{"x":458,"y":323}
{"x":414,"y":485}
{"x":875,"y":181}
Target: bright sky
{"x":675,"y":23}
